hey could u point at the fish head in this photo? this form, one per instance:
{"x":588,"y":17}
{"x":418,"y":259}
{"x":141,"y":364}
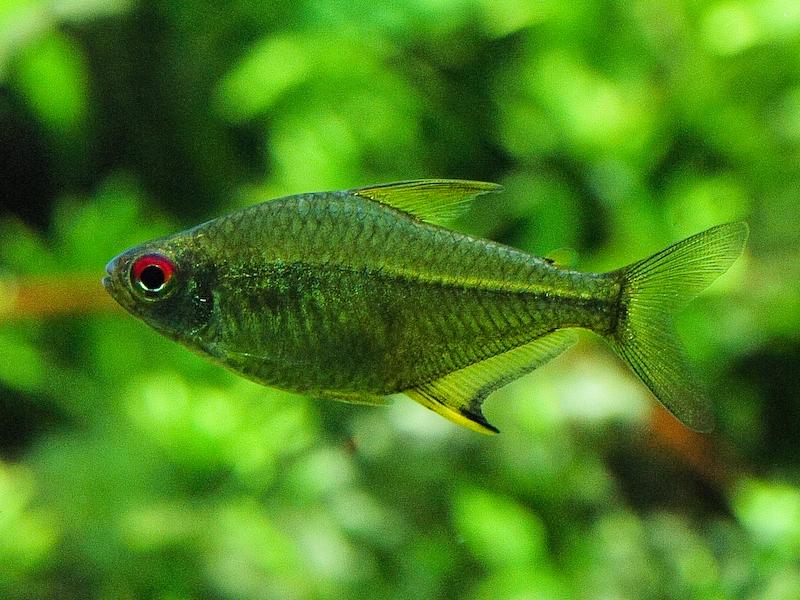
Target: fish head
{"x":166,"y":285}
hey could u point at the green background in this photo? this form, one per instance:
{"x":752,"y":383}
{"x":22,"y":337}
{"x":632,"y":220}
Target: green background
{"x":129,"y":468}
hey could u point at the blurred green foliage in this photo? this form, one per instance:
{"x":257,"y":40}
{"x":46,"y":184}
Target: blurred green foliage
{"x":130,"y":468}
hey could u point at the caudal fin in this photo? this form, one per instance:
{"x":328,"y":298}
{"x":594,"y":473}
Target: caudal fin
{"x":653,"y":289}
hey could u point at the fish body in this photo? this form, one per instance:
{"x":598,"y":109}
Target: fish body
{"x":359,"y":294}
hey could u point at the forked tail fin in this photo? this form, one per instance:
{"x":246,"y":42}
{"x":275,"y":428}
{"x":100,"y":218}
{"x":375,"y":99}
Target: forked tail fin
{"x":653,"y":289}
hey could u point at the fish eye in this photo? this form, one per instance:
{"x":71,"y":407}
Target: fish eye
{"x":152,"y":274}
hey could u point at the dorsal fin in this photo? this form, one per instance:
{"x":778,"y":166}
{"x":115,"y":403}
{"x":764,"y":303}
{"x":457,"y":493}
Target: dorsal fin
{"x":459,"y":395}
{"x":432,"y":200}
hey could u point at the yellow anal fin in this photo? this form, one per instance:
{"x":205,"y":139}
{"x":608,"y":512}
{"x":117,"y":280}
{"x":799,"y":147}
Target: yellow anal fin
{"x":460,"y":416}
{"x":432,"y":200}
{"x":458,"y":396}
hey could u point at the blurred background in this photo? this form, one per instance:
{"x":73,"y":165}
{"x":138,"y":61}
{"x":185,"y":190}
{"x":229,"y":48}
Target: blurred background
{"x":130,"y":468}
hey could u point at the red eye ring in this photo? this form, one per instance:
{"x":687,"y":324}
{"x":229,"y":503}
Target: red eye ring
{"x":152,"y":273}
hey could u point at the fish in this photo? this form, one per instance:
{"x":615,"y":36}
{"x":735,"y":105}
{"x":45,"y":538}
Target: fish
{"x":361,"y":294}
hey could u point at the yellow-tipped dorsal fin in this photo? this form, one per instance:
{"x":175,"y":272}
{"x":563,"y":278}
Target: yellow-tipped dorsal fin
{"x":431,"y":200}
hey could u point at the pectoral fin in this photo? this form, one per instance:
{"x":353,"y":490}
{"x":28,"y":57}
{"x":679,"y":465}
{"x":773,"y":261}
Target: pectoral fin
{"x":459,"y":395}
{"x":432,"y":200}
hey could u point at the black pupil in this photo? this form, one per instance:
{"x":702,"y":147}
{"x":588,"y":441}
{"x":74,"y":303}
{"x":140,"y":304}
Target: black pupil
{"x":152,"y":278}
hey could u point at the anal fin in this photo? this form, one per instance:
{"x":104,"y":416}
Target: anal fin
{"x":458,"y":396}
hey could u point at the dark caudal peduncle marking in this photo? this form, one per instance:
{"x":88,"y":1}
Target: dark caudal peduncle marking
{"x":619,"y":308}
